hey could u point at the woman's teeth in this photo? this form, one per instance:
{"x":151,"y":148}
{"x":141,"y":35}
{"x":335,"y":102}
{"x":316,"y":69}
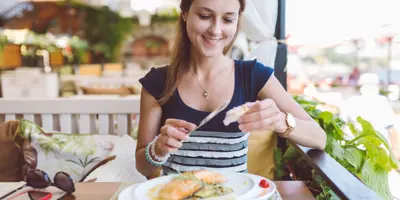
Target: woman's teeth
{"x":212,"y":40}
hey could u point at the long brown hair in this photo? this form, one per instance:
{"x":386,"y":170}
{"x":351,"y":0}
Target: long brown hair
{"x":181,"y":52}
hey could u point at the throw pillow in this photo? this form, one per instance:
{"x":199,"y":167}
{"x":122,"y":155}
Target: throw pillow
{"x":75,"y":154}
{"x":123,"y":168}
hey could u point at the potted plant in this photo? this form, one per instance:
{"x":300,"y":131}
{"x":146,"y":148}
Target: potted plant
{"x":365,"y":153}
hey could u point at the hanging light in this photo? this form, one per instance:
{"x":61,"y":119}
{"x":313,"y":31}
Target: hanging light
{"x":144,"y":9}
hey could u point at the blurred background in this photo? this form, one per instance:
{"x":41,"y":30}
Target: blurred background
{"x":58,"y":48}
{"x":342,"y":53}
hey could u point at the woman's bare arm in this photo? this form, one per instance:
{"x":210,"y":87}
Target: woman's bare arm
{"x":149,"y":124}
{"x":307,"y":132}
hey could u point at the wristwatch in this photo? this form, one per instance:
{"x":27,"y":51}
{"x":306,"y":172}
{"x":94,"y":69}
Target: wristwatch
{"x":291,"y":123}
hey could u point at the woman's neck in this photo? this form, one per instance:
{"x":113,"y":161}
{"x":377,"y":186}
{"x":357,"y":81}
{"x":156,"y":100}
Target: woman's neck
{"x":205,"y":67}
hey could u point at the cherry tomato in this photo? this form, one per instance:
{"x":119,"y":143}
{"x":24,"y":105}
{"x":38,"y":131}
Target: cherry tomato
{"x":264,"y":183}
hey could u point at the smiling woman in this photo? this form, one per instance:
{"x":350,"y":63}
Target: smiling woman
{"x":198,"y":80}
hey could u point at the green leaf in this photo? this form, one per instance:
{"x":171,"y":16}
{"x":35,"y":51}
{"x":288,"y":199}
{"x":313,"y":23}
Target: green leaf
{"x":329,"y":142}
{"x":377,"y":179}
{"x":290,"y":154}
{"x":374,"y":140}
{"x":337,"y":151}
{"x":353,"y":129}
{"x":354,"y":157}
{"x":366,"y":125}
{"x":372,"y":150}
{"x":333,"y":195}
{"x":278,"y":170}
{"x":326,"y":117}
{"x":338,"y":130}
{"x":382,"y":159}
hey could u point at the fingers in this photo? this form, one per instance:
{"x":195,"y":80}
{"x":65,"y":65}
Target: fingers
{"x":257,"y":116}
{"x":259,"y":110}
{"x":169,"y":144}
{"x":260,"y":125}
{"x":260,"y":105}
{"x":180,"y":123}
{"x":174,"y":133}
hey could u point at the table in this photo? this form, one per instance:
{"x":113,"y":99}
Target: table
{"x":98,"y":191}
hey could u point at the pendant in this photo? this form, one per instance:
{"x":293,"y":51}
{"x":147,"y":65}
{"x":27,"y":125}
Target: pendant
{"x":205,"y":94}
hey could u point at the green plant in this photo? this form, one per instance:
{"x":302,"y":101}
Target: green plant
{"x":3,"y":42}
{"x":171,"y":15}
{"x":365,"y":153}
{"x":106,"y":30}
{"x":79,"y":47}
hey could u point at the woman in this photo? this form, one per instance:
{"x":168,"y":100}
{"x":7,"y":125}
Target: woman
{"x":199,"y":79}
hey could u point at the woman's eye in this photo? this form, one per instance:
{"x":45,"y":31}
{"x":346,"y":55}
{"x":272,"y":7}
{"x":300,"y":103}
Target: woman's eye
{"x":204,"y":16}
{"x":228,"y":20}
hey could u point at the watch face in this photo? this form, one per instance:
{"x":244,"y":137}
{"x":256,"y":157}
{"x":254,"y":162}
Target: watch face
{"x":291,"y":121}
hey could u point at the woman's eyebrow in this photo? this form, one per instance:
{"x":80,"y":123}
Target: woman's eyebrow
{"x":210,"y":10}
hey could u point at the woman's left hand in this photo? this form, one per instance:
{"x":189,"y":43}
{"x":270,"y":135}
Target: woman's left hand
{"x":262,"y":115}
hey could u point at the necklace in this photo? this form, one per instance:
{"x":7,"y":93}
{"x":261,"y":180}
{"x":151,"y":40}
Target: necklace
{"x":205,"y":93}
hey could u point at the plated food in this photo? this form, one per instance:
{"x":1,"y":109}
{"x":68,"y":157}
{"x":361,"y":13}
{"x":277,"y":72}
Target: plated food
{"x":194,"y":185}
{"x":220,"y":185}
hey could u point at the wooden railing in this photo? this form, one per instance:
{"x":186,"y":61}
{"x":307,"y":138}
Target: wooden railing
{"x":340,"y":180}
{"x":107,"y":116}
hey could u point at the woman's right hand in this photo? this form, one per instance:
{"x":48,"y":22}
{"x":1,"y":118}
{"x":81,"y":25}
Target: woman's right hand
{"x":171,"y":136}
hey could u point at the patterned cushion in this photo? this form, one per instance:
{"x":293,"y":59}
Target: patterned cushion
{"x":75,"y":154}
{"x":123,"y":168}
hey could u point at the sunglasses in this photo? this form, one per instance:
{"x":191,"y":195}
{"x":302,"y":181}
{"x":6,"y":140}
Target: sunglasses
{"x":39,"y":179}
{"x":34,"y":195}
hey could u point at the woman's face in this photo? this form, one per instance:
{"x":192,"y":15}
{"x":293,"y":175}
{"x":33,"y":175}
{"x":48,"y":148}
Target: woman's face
{"x":211,"y":25}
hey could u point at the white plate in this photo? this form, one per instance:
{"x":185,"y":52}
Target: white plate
{"x":245,"y":187}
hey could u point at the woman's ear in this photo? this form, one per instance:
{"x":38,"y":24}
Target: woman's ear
{"x":184,"y":16}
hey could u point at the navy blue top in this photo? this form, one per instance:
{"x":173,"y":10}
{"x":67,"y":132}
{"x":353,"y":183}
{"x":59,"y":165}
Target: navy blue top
{"x":250,"y":77}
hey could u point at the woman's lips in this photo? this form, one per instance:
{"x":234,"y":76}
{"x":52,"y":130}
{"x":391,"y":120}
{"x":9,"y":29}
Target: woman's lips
{"x":211,"y":41}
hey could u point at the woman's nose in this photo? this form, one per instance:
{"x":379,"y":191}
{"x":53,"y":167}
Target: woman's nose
{"x":215,"y":27}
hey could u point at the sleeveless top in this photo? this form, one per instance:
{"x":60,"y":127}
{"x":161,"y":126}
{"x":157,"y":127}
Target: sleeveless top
{"x":213,"y":146}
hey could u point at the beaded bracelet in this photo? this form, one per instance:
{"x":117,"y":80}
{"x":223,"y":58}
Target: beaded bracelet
{"x":150,"y":159}
{"x":153,"y":151}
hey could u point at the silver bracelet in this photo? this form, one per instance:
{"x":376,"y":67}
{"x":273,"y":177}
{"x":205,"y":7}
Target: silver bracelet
{"x":153,"y":151}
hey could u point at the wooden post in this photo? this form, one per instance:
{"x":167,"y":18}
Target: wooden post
{"x":281,"y":54}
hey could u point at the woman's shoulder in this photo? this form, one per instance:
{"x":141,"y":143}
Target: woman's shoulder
{"x":157,"y":71}
{"x":252,"y":66}
{"x":154,"y":81}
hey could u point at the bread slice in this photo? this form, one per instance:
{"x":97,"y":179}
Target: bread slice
{"x":234,"y":114}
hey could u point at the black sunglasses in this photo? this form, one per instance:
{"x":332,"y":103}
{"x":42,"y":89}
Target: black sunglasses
{"x":39,"y":179}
